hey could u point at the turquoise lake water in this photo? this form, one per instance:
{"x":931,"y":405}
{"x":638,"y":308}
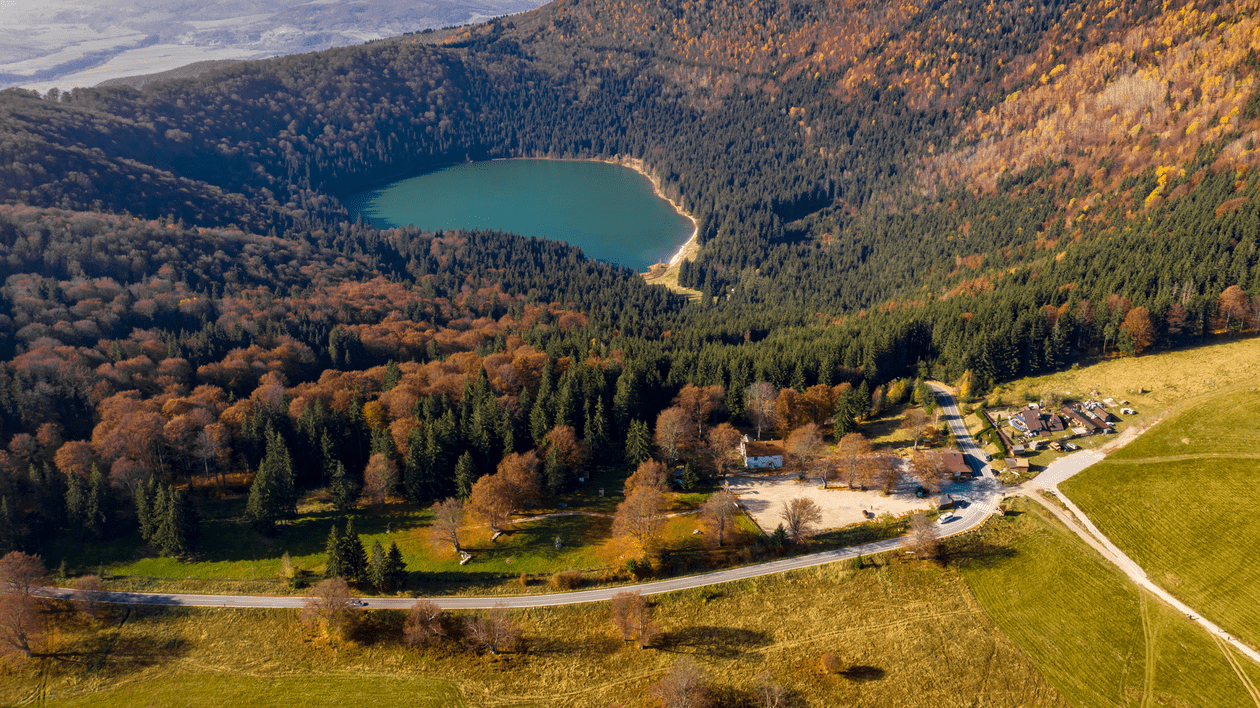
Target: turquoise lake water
{"x":609,"y":211}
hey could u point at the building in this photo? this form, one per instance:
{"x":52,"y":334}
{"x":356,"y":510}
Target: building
{"x":1016,"y":464}
{"x":1081,"y":423}
{"x":956,"y":464}
{"x":761,"y":455}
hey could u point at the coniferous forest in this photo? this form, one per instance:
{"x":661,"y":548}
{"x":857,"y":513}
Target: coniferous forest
{"x":882,"y":193}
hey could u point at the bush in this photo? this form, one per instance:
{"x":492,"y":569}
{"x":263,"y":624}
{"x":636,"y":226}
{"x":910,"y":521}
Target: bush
{"x":830,"y":663}
{"x":524,"y":580}
{"x":567,"y":580}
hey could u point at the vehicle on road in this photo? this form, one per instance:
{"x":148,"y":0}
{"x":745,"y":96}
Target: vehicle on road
{"x":359,"y":603}
{"x":947,"y":518}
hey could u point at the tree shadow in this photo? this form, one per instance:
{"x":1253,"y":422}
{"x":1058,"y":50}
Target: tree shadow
{"x":589,"y":646}
{"x":863,"y":674}
{"x":712,"y":642}
{"x":976,"y":551}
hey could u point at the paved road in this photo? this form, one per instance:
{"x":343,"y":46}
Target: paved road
{"x":1063,"y":469}
{"x":982,"y":498}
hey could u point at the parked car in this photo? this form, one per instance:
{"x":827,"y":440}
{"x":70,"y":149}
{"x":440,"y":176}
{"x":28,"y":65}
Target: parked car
{"x":947,"y":518}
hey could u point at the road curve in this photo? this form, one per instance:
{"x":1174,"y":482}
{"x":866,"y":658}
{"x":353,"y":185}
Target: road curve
{"x":982,"y":498}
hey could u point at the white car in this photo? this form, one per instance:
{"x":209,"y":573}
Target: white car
{"x":359,"y":603}
{"x":947,"y":518}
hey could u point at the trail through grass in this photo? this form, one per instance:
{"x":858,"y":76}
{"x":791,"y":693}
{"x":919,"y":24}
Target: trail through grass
{"x":1183,"y":503}
{"x":1100,"y":640}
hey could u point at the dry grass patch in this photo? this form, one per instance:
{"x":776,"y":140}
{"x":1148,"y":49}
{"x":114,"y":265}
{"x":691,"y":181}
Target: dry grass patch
{"x":904,"y":634}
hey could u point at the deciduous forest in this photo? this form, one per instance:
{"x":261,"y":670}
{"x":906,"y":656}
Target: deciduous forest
{"x":966,"y":189}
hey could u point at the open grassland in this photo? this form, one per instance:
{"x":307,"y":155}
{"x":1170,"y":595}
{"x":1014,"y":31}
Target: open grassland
{"x":1168,"y":378}
{"x":1101,"y":641}
{"x":1182,"y":502}
{"x":907,"y":635}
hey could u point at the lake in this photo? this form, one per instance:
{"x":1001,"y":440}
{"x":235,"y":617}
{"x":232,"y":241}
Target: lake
{"x":611,"y":212}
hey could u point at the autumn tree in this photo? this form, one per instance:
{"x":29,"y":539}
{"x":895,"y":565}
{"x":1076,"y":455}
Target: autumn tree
{"x":522,"y":473}
{"x":379,"y":479}
{"x":1232,"y":309}
{"x":21,"y":627}
{"x":850,"y":449}
{"x":448,"y":517}
{"x":493,"y":631}
{"x":924,"y":539}
{"x":640,"y":516}
{"x":650,"y":474}
{"x":1136,"y":332}
{"x":492,"y":501}
{"x":685,"y":686}
{"x":330,"y":607}
{"x":914,"y":421}
{"x":800,"y":517}
{"x":632,"y":618}
{"x":719,"y":512}
{"x":699,"y":402}
{"x":803,"y":446}
{"x":929,"y":468}
{"x":425,"y":624}
{"x":759,"y":405}
{"x":723,"y":446}
{"x":879,"y":470}
{"x":769,"y":693}
{"x":675,"y":434}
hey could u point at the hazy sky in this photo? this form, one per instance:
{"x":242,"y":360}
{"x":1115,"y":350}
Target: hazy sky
{"x":68,"y":43}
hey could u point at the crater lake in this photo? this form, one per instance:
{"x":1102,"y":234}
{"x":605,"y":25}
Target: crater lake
{"x":611,"y":212}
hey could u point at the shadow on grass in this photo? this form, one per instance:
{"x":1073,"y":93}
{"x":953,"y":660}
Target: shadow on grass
{"x":712,"y":642}
{"x":977,"y":552}
{"x":864,"y":674}
{"x":113,"y":652}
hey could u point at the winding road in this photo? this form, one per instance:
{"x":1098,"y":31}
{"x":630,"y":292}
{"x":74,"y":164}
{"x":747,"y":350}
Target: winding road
{"x":981,"y":499}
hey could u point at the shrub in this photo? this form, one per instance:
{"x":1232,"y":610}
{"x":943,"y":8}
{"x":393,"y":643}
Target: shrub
{"x":830,"y":663}
{"x":566,"y":580}
{"x":524,"y":580}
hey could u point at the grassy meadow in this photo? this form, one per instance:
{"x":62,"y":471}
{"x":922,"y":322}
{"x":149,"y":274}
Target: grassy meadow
{"x":1099,"y":639}
{"x":907,"y":634}
{"x":1182,"y":502}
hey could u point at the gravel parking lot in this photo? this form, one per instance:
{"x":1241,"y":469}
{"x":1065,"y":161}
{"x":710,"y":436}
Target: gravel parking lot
{"x":764,"y":495}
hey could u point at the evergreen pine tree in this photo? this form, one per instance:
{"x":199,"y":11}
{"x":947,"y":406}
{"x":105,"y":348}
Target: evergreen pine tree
{"x":96,"y":509}
{"x":638,"y":444}
{"x":392,"y":376}
{"x":341,"y":488}
{"x":158,"y":519}
{"x":395,"y":569}
{"x":597,"y":437}
{"x":333,"y":567}
{"x":377,"y":567}
{"x":76,"y":501}
{"x":8,"y":529}
{"x":273,"y":495}
{"x":465,"y":475}
{"x":417,"y":482}
{"x":690,"y":478}
{"x":353,"y":557}
{"x":555,"y":473}
{"x":144,"y":510}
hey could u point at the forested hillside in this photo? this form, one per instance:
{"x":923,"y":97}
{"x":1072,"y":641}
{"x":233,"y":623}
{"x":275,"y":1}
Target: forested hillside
{"x":963,"y":189}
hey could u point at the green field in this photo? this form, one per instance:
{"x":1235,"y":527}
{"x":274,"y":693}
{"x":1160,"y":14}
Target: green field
{"x":1182,"y":502}
{"x":1101,"y":641}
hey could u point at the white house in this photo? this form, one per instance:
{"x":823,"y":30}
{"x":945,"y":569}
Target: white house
{"x":761,"y":455}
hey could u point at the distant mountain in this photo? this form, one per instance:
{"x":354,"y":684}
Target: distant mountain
{"x":65,"y":44}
